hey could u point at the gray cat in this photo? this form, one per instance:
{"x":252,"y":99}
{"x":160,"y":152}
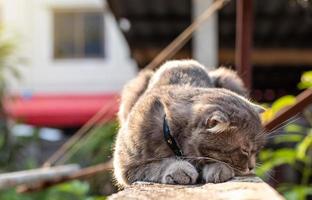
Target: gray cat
{"x":184,"y":125}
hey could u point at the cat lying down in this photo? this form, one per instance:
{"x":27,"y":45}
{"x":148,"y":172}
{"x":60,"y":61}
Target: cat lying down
{"x":184,"y":125}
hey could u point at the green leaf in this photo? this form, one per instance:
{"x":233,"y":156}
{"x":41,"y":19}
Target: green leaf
{"x":298,"y":192}
{"x":303,"y":146}
{"x":306,"y":80}
{"x":75,"y":187}
{"x":96,"y":147}
{"x":265,"y":154}
{"x":12,"y":195}
{"x":288,"y":138}
{"x":283,"y":102}
{"x":274,"y":159}
{"x":2,"y":140}
{"x":294,"y":128}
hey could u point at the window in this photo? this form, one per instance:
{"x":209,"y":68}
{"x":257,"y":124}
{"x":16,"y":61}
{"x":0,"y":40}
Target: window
{"x":78,"y":34}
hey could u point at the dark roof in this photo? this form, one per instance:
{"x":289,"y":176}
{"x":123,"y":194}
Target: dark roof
{"x":278,"y":24}
{"x":153,"y":23}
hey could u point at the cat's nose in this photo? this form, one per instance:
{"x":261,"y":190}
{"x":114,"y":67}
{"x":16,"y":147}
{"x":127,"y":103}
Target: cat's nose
{"x":251,"y":170}
{"x":248,"y":170}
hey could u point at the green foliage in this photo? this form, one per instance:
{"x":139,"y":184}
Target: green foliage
{"x":75,"y":190}
{"x":95,"y":148}
{"x":17,"y":146}
{"x":299,"y":157}
{"x":297,"y":192}
{"x":283,"y":102}
{"x":8,"y":67}
{"x":277,"y":106}
{"x":272,"y":159}
{"x":288,"y":138}
{"x":306,"y":80}
{"x":303,"y":147}
{"x":8,"y":57}
{"x":294,"y":128}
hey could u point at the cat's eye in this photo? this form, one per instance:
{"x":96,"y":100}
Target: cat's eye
{"x":254,"y":151}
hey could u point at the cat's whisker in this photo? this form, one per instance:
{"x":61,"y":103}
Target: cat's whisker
{"x":268,"y":173}
{"x":204,"y":158}
{"x":260,"y":134}
{"x":270,"y":176}
{"x":212,"y":159}
{"x":258,"y":165}
{"x":284,"y":124}
{"x":277,"y":130}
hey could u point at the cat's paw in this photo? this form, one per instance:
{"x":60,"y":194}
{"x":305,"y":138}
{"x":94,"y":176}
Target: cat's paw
{"x":180,"y":172}
{"x":217,"y":173}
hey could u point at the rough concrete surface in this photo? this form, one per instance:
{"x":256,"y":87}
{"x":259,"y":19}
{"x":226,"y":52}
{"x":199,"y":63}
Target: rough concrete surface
{"x":252,"y":188}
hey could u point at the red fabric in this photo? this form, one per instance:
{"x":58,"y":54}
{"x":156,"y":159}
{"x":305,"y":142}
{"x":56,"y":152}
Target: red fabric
{"x":60,"y":110}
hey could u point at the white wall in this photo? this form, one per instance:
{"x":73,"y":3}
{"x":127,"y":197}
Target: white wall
{"x":33,"y":20}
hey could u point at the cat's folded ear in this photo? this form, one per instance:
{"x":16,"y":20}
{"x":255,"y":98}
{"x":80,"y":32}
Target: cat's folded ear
{"x":217,"y":122}
{"x":259,"y":109}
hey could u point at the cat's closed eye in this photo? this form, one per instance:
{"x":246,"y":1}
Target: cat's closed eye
{"x":245,"y":152}
{"x":254,"y":151}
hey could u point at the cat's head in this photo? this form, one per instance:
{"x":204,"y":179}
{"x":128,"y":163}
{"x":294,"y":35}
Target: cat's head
{"x":226,"y":127}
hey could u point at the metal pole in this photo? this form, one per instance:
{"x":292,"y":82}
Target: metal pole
{"x":244,"y":27}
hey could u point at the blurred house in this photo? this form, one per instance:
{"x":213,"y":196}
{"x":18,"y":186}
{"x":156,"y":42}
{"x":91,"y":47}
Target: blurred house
{"x":76,"y":60}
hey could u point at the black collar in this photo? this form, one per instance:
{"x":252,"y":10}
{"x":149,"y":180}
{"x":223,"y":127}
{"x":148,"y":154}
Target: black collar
{"x":173,"y":145}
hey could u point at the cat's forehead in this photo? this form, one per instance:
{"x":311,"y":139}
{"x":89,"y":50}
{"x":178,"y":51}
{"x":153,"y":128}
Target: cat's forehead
{"x":235,"y":112}
{"x":229,"y":103}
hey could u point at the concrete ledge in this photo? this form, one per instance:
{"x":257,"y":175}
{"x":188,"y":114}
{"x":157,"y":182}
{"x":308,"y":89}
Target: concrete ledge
{"x":238,"y":188}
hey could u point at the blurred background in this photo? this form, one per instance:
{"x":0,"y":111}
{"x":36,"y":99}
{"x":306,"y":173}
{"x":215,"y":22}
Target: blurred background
{"x":62,"y":61}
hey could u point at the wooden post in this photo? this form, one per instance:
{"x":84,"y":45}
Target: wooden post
{"x":244,"y":27}
{"x":303,"y":100}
